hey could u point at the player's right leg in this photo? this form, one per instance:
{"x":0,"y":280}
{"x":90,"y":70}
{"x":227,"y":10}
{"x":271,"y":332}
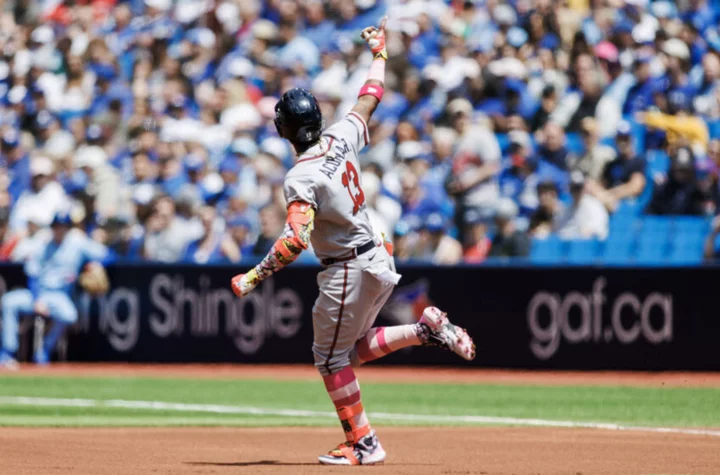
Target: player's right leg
{"x":63,"y":313}
{"x":433,"y":329}
{"x":14,"y":304}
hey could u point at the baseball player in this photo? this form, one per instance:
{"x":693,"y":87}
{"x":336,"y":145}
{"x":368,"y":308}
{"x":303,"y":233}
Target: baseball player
{"x":52,"y":268}
{"x":326,"y":206}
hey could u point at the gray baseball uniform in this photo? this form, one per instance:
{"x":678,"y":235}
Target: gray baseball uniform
{"x":352,"y":292}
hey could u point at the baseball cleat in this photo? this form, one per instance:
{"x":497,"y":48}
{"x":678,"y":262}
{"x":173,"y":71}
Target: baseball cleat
{"x":7,"y":362}
{"x":367,"y":451}
{"x":436,"y":330}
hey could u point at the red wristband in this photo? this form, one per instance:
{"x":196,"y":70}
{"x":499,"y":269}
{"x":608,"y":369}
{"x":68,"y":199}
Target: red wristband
{"x":372,"y":90}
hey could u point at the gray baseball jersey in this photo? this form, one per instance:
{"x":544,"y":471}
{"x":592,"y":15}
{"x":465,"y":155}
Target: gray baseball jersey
{"x":327,"y":176}
{"x":351,"y":292}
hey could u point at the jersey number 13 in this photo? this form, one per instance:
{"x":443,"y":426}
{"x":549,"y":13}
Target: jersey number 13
{"x":351,"y":181}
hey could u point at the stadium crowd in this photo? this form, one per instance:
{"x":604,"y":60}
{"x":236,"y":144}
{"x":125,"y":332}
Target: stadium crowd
{"x":502,"y":122}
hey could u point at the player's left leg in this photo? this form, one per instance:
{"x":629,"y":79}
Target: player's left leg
{"x":63,"y":313}
{"x":347,"y":295}
{"x":14,"y":304}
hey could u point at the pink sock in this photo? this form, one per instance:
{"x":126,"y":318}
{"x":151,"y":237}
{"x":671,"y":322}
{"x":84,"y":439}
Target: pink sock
{"x":344,"y":390}
{"x":381,"y":341}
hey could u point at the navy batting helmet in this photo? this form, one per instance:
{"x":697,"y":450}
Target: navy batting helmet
{"x":61,"y":218}
{"x":298,"y":117}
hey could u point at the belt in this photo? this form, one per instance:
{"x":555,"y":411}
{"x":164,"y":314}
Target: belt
{"x":355,"y":253}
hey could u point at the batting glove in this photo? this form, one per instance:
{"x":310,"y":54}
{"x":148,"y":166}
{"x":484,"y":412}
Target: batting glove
{"x":375,"y":38}
{"x":242,"y":284}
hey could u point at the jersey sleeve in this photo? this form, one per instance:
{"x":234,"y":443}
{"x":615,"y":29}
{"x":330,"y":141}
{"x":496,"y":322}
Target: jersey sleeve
{"x":93,"y":250}
{"x":301,"y":188}
{"x":353,"y":129}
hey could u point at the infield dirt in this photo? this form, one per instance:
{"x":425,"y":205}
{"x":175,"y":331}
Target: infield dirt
{"x":417,"y":451}
{"x":414,"y":451}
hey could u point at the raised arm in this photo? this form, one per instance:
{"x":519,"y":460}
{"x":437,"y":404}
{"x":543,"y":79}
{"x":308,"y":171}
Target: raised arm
{"x":372,"y":91}
{"x":294,"y":239}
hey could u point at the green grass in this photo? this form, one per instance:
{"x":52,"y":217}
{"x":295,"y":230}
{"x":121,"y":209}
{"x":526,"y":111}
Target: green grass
{"x":686,"y":407}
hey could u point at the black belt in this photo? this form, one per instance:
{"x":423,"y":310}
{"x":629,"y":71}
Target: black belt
{"x":355,"y":253}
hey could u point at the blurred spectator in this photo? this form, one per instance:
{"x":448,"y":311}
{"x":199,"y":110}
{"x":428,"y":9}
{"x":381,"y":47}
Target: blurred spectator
{"x":711,"y":249}
{"x":596,"y":155}
{"x":415,"y":200}
{"x":17,"y":163}
{"x":679,"y":194}
{"x":622,"y":178}
{"x":586,"y":217}
{"x":117,"y":234}
{"x":437,"y":246}
{"x":548,"y":103}
{"x":552,"y":146}
{"x":542,"y":221}
{"x":475,"y":165}
{"x":519,"y":180}
{"x":508,"y":241}
{"x":239,"y":229}
{"x":41,"y":201}
{"x":154,"y":96}
{"x":7,"y":242}
{"x":103,"y":182}
{"x":24,"y":244}
{"x":213,"y":246}
{"x":405,"y":240}
{"x":166,"y":238}
{"x":477,"y":244}
{"x":640,"y":95}
{"x":272,"y":222}
{"x":679,"y":128}
{"x":586,"y":101}
{"x":382,"y":222}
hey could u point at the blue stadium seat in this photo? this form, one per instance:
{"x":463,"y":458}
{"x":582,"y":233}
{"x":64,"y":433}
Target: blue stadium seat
{"x":686,"y":248}
{"x":691,"y":225}
{"x":629,"y":207}
{"x":689,"y":241}
{"x":618,"y":251}
{"x":714,"y":129}
{"x":657,"y":224}
{"x":653,"y":239}
{"x":548,"y":251}
{"x":686,"y":256}
{"x":624,"y":223}
{"x":652,"y":248}
{"x":583,"y":251}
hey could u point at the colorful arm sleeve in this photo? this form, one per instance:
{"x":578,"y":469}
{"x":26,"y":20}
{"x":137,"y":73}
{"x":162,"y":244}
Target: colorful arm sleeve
{"x":294,"y":239}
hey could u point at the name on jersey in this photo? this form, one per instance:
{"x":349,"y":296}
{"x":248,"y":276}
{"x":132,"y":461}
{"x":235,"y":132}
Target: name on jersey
{"x":334,"y":158}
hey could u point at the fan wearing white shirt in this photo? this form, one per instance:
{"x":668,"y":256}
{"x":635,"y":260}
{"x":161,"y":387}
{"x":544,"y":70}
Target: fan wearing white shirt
{"x":42,"y":200}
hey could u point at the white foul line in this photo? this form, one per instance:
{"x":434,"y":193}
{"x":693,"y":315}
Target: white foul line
{"x":260,"y":411}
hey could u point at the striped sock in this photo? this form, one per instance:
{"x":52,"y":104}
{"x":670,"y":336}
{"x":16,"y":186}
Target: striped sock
{"x":344,"y":390}
{"x":382,"y":341}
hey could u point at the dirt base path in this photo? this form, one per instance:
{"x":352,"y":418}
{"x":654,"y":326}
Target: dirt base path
{"x":378,"y":374}
{"x":410,"y":451}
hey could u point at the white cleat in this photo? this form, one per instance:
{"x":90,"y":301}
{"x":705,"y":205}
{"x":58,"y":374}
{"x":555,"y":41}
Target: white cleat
{"x":367,"y":451}
{"x":436,"y":330}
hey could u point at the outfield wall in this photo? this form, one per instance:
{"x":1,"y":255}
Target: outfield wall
{"x":520,"y":317}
